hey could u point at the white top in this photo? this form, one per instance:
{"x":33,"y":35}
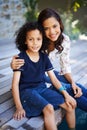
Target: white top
{"x":61,"y":61}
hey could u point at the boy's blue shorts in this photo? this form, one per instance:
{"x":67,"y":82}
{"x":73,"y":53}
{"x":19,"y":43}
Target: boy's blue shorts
{"x":35,"y":99}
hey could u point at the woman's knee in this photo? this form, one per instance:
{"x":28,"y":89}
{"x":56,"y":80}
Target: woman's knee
{"x":48,"y":109}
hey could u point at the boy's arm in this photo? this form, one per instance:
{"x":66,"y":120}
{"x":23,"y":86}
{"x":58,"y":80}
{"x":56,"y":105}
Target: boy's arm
{"x":69,"y":100}
{"x":15,"y":91}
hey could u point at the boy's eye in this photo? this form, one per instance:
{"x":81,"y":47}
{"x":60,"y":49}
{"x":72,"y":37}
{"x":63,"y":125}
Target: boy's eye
{"x":39,"y":39}
{"x":45,"y":29}
{"x":30,"y":39}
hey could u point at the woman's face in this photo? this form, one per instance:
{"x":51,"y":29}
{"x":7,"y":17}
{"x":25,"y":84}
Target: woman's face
{"x":52,"y":28}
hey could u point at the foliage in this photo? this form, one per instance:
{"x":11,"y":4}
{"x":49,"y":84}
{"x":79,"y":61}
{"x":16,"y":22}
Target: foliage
{"x":68,"y":16}
{"x":31,"y":9}
{"x":71,"y":28}
{"x":73,"y":8}
{"x":76,"y":4}
{"x":82,"y":24}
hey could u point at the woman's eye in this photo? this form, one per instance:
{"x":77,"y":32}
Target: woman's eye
{"x":55,"y":26}
{"x":30,"y":39}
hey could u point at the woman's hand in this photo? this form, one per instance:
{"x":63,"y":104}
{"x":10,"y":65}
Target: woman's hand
{"x":16,"y":63}
{"x":19,"y":114}
{"x":77,"y":90}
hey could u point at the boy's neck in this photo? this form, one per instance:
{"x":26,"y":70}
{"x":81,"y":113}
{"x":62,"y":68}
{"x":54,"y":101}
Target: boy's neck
{"x":33,"y":56}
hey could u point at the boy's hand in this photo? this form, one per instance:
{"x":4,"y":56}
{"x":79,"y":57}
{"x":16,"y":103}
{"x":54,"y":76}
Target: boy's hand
{"x":19,"y":114}
{"x":70,"y":101}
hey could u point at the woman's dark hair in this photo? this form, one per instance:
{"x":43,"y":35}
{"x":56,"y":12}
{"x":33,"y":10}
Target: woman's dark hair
{"x":44,"y":15}
{"x":22,"y":32}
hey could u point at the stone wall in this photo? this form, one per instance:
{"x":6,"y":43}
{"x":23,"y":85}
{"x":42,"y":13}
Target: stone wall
{"x":11,"y":17}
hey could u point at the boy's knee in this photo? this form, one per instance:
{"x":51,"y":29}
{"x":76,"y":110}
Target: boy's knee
{"x":48,"y":109}
{"x":70,"y":109}
{"x":75,"y":105}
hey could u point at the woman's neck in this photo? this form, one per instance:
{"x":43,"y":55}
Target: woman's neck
{"x":51,"y":47}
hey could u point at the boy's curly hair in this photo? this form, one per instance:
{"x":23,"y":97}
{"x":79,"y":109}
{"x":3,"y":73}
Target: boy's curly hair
{"x":22,"y":33}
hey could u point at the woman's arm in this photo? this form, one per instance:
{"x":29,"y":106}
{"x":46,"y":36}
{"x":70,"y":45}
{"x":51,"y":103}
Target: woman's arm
{"x":77,"y":90}
{"x":64,"y":57}
{"x":15,"y":91}
{"x":66,"y":68}
{"x":16,"y":63}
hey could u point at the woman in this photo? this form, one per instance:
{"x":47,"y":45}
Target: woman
{"x":57,"y":45}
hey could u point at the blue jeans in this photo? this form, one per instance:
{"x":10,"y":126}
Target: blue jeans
{"x":81,"y":101}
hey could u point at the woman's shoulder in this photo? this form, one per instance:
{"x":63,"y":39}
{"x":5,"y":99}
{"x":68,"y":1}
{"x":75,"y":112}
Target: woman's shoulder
{"x":66,"y":37}
{"x":66,"y":41}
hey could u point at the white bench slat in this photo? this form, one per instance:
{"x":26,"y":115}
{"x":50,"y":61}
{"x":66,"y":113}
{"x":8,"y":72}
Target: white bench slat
{"x":83,"y":80}
{"x":6,"y":71}
{"x":7,"y":48}
{"x":6,"y":116}
{"x":5,"y":89}
{"x":21,"y":128}
{"x":80,"y":74}
{"x":5,"y":97}
{"x":34,"y":123}
{"x":5,"y":63}
{"x":6,"y":83}
{"x":78,"y":63}
{"x":6,"y":105}
{"x":6,"y":77}
{"x":15,"y":124}
{"x":8,"y":53}
{"x":80,"y":68}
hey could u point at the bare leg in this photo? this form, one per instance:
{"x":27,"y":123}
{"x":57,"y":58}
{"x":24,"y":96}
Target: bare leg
{"x":49,"y":118}
{"x":70,"y":116}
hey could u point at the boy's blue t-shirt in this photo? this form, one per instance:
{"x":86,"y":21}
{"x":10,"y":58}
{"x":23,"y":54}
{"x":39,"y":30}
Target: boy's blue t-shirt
{"x":32,"y":73}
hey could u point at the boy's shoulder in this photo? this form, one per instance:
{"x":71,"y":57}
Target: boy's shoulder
{"x":22,"y":54}
{"x":43,"y":54}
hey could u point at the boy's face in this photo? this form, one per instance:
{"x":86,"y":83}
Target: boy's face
{"x":34,"y":40}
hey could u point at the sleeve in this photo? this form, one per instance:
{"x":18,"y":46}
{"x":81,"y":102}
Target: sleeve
{"x":64,"y":58}
{"x":48,"y":65}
